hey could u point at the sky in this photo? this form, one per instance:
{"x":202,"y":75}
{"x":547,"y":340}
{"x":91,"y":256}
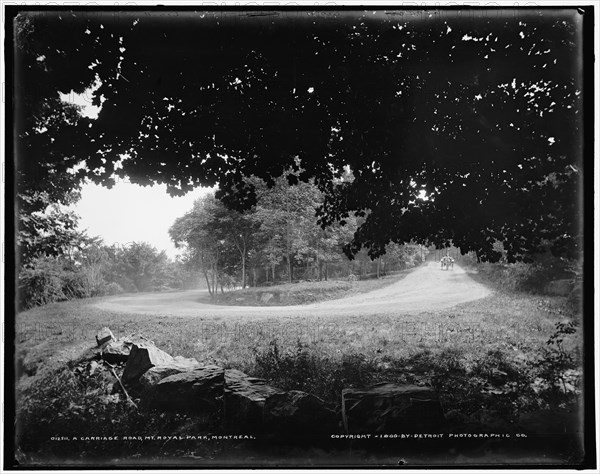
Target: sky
{"x":129,"y":212}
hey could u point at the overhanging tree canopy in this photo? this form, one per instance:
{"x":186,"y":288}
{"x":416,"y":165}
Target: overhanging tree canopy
{"x":478,"y":112}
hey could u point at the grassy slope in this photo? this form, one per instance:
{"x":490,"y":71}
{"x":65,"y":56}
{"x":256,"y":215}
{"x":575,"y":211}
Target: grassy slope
{"x":305,"y":292}
{"x":515,"y":321}
{"x":456,"y":350}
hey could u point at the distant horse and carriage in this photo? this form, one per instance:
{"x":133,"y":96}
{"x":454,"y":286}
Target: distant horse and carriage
{"x":447,"y":262}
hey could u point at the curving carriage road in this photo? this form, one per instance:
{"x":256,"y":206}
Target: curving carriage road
{"x":426,"y":288}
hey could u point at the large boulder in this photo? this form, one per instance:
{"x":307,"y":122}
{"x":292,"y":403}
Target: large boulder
{"x":391,"y":408}
{"x":245,"y":399}
{"x":197,"y":390}
{"x":297,"y":413}
{"x":118,"y":351}
{"x":104,"y":335}
{"x":144,"y":356}
{"x":177,"y":366}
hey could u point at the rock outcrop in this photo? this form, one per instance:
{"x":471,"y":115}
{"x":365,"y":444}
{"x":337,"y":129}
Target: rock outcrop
{"x":104,"y":335}
{"x":244,"y":401}
{"x":144,"y":356}
{"x":390,"y":408}
{"x":178,"y":365}
{"x":197,"y":390}
{"x":297,"y":413}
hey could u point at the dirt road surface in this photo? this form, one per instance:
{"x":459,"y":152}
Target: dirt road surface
{"x":427,"y":288}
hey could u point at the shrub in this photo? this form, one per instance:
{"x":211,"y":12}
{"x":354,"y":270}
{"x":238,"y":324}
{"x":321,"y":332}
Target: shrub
{"x":556,"y":373}
{"x":51,"y":279}
{"x":126,"y":284}
{"x":113,"y":288}
{"x":300,"y":369}
{"x":75,"y":285}
{"x":528,"y":277}
{"x":494,"y":381}
{"x":41,"y":282}
{"x":93,"y":280}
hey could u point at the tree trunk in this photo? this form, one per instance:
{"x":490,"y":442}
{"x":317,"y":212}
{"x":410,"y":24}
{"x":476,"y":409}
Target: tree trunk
{"x":378,"y":267}
{"x":214,"y":282}
{"x":207,"y":282}
{"x":215,"y":275}
{"x":287,"y":234}
{"x":244,"y":267}
{"x":318,"y":265}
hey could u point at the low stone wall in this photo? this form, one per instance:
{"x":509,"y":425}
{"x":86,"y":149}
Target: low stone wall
{"x":154,"y":380}
{"x":247,"y":404}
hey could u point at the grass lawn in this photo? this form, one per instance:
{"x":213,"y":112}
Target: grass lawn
{"x":486,"y":356}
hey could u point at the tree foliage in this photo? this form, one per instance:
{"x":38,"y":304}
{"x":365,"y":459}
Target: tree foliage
{"x":143,"y":264}
{"x":46,"y":229}
{"x":48,"y":133}
{"x":479,"y":112}
{"x":277,"y":239}
{"x":96,"y":269}
{"x":204,"y":233}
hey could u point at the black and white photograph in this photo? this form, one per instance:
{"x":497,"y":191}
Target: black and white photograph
{"x":266,"y":237}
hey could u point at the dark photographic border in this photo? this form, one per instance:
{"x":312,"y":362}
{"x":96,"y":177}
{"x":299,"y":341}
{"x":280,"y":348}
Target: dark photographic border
{"x":588,"y":207}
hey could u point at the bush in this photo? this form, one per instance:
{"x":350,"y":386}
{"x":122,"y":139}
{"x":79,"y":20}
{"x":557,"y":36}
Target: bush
{"x":494,"y":381}
{"x":300,"y":369}
{"x":113,"y":288}
{"x":93,"y":281}
{"x":42,"y":281}
{"x":126,"y":284}
{"x":51,"y":279}
{"x":527,"y":277}
{"x":75,"y":285}
{"x":556,"y":370}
